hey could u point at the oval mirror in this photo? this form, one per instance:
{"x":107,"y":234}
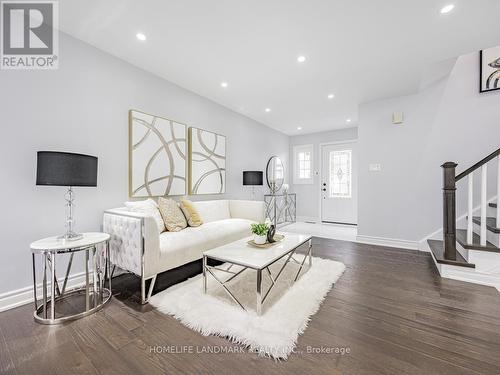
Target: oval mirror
{"x":275,"y":174}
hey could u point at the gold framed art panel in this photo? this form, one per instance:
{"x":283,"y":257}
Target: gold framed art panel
{"x":206,"y":162}
{"x":157,"y":156}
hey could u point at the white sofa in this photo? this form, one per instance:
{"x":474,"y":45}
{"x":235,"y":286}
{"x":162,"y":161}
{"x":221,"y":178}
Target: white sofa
{"x":136,"y":246}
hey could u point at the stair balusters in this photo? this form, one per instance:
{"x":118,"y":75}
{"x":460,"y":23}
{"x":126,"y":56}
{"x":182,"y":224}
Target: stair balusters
{"x":498,"y":192}
{"x":484,"y":186}
{"x":470,"y":209}
{"x":449,"y":213}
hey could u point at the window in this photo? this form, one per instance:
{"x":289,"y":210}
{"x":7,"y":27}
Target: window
{"x":340,"y":174}
{"x":303,"y":164}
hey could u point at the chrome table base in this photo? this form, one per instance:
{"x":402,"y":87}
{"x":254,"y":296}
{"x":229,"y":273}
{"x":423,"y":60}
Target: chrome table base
{"x":94,"y":292}
{"x":104,"y":297}
{"x":259,"y":298}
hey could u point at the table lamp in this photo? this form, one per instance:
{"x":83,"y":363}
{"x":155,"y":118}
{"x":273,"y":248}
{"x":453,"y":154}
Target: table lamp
{"x":66,"y":169}
{"x":252,"y":178}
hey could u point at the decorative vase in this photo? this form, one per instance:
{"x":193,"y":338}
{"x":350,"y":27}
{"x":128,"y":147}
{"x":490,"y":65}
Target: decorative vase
{"x":259,"y":240}
{"x":270,"y":233}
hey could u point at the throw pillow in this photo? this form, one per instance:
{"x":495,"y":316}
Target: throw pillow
{"x":192,"y":216}
{"x":172,"y":215}
{"x":150,"y":208}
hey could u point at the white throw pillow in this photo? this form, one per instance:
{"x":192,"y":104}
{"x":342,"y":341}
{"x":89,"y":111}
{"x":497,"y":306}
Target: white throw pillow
{"x":150,"y":208}
{"x":172,"y":215}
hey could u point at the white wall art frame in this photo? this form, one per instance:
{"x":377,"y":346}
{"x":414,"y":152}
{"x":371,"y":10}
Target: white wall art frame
{"x":207,"y":162}
{"x":157,"y":156}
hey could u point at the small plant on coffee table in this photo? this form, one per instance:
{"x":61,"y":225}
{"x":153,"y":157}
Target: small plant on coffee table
{"x":260,"y":229}
{"x":259,"y":233}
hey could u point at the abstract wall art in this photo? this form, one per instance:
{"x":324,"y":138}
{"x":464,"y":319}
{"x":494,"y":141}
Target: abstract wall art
{"x":207,"y":162}
{"x":489,"y":66}
{"x":157,"y":156}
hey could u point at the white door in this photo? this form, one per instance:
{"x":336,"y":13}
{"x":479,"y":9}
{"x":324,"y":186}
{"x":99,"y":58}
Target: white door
{"x":339,"y":190}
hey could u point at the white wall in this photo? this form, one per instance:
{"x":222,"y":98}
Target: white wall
{"x":448,"y":121}
{"x":308,"y":195}
{"x":83,"y":107}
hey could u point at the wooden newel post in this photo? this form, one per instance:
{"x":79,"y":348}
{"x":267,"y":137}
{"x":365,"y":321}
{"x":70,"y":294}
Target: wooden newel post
{"x":449,"y":211}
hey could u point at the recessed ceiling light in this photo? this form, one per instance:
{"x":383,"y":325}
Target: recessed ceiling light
{"x":331,"y":96}
{"x":141,"y":37}
{"x":223,"y":84}
{"x":348,"y":120}
{"x":268,"y":109}
{"x":299,"y":127}
{"x":447,"y":9}
{"x":301,"y":59}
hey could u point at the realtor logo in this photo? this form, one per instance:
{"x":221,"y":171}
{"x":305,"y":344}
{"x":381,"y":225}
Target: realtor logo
{"x":29,"y":35}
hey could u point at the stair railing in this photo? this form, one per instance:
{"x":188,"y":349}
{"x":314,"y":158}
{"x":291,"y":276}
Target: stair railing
{"x":449,"y":202}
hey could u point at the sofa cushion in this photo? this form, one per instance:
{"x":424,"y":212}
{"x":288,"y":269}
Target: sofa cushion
{"x":149,"y":208}
{"x":191,"y":213}
{"x":213,"y":210}
{"x":251,"y":210}
{"x":177,"y":248}
{"x":172,"y":215}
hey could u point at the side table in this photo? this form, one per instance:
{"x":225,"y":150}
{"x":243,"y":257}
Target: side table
{"x":97,"y":269}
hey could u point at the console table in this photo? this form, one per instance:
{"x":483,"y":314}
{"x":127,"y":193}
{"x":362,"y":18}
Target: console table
{"x":83,"y":300}
{"x":281,"y":208}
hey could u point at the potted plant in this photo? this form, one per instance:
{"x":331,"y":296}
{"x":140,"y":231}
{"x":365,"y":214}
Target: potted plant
{"x":259,"y":233}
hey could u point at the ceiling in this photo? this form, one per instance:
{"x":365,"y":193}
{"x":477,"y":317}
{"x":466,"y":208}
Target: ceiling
{"x":359,"y":50}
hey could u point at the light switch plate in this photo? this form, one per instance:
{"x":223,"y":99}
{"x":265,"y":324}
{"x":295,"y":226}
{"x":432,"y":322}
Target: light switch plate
{"x":375,"y":167}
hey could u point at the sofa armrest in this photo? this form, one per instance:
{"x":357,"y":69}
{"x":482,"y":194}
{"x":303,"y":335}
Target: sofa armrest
{"x":134,"y":243}
{"x":250,"y":210}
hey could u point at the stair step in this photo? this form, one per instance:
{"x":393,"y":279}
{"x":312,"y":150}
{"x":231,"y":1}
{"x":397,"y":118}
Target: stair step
{"x":476,"y":242}
{"x":491,"y":223}
{"x":437,"y":249}
{"x":494,"y":205}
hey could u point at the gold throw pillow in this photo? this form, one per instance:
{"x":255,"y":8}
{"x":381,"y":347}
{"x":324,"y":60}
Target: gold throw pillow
{"x":172,"y":215}
{"x":191,"y":214}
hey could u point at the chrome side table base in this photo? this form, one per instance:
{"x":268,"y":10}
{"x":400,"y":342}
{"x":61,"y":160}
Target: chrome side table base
{"x":80,"y":301}
{"x":106,"y":296}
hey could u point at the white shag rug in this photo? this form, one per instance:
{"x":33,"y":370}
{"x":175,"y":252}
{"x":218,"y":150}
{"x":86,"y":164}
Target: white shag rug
{"x":285,"y":314}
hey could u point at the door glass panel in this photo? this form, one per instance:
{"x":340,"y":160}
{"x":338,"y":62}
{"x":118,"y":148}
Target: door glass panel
{"x":340,"y":174}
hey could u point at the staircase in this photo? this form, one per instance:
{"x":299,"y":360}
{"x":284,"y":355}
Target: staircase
{"x":471,"y":253}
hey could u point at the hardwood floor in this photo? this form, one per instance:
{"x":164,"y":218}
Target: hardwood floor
{"x":390,"y":308}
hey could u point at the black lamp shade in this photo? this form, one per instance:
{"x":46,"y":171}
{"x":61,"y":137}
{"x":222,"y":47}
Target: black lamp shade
{"x":65,"y":169}
{"x":252,"y":178}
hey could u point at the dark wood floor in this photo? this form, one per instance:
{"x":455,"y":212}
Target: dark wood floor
{"x":390,"y":308}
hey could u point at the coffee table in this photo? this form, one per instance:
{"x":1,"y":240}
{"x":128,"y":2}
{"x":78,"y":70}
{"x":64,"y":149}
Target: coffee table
{"x":242,"y":254}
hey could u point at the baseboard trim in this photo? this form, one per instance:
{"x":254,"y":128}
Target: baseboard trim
{"x":23,"y":296}
{"x":390,"y":242}
{"x":308,"y":219}
{"x":470,"y":276}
